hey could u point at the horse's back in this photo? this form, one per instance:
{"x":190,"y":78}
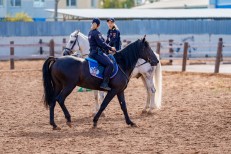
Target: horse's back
{"x":68,"y":68}
{"x":75,"y":71}
{"x":68,"y":59}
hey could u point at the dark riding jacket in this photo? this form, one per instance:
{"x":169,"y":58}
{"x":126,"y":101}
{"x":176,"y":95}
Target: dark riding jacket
{"x":96,"y":41}
{"x":99,"y":50}
{"x":113,"y":38}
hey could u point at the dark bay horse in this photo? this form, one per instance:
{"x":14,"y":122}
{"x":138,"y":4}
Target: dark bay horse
{"x":62,"y":75}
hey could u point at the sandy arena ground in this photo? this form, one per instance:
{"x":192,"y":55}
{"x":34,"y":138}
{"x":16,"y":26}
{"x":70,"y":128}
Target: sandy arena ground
{"x":195,"y":117}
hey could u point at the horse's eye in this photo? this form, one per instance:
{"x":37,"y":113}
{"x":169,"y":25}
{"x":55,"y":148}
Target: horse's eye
{"x":71,"y":42}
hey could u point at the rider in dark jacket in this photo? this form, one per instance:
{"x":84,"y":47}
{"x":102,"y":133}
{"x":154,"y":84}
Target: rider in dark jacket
{"x":98,"y":50}
{"x":113,"y":34}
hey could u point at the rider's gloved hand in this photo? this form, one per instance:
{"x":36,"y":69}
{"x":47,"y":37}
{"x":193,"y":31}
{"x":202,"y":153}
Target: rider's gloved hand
{"x":113,"y":49}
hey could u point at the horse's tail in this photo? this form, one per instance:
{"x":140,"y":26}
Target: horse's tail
{"x":47,"y":81}
{"x":158,"y":84}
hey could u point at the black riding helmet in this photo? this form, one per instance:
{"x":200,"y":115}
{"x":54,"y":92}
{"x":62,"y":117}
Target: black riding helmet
{"x":96,"y":20}
{"x":111,"y":19}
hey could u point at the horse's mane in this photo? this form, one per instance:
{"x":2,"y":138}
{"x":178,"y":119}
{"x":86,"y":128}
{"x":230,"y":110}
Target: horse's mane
{"x":75,"y":33}
{"x":84,"y":36}
{"x":128,"y":56}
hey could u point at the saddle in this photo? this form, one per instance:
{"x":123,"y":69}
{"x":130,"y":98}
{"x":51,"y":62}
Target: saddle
{"x":97,"y":70}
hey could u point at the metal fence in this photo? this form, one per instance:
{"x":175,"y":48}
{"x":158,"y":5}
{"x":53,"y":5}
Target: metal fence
{"x":127,"y":27}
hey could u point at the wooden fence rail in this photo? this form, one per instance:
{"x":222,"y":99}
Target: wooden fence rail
{"x":40,"y":44}
{"x":219,"y":54}
{"x":185,"y":54}
{"x":11,"y":53}
{"x":157,"y":45}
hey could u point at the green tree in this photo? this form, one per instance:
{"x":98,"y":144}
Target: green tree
{"x":21,"y":16}
{"x":117,"y":3}
{"x":128,"y":3}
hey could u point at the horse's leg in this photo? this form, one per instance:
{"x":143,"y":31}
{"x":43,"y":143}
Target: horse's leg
{"x":96,"y":108}
{"x":61,"y":98}
{"x":106,"y":101}
{"x":57,"y":90}
{"x":122,"y":102}
{"x":52,"y":121}
{"x":99,"y":97}
{"x":148,"y":95}
{"x":151,"y":90}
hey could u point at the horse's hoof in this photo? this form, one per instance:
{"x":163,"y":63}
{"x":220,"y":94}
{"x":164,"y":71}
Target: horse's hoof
{"x":69,"y":124}
{"x":94,"y":125}
{"x":149,"y":112}
{"x":133,"y":125}
{"x":144,"y":111}
{"x":56,"y":128}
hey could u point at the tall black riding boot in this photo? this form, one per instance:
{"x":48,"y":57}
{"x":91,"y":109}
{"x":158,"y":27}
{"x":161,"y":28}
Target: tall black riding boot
{"x":104,"y":85}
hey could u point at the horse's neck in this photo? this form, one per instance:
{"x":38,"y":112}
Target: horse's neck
{"x":84,"y":44}
{"x":128,"y":71}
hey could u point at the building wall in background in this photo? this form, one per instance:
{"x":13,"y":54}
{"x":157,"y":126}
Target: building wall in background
{"x":3,"y":8}
{"x":79,"y":4}
{"x":35,"y":9}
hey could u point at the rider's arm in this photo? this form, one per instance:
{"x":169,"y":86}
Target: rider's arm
{"x":101,"y":42}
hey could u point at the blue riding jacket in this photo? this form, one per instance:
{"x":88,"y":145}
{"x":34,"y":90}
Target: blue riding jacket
{"x":113,"y":38}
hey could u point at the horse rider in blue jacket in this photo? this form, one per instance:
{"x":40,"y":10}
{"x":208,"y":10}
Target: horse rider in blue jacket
{"x":113,"y":34}
{"x":98,"y":50}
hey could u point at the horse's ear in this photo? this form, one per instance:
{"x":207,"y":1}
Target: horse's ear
{"x":77,"y":32}
{"x":144,"y":39}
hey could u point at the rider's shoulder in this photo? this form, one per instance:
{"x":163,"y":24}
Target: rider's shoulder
{"x":116,"y":30}
{"x":95,"y":31}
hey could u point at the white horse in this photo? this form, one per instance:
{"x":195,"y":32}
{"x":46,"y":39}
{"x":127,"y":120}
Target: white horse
{"x":79,"y":45}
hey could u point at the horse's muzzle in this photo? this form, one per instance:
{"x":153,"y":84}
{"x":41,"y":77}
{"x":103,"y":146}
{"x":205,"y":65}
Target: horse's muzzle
{"x":154,"y":62}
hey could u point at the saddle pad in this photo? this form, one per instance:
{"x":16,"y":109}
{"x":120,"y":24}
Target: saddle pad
{"x":97,"y":70}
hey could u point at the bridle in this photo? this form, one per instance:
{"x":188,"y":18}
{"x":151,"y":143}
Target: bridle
{"x":142,"y":64}
{"x":75,"y":41}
